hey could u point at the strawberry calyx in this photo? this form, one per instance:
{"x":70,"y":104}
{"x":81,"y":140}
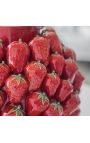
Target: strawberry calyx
{"x":17,"y":109}
{"x":43,"y":96}
{"x":18,"y":78}
{"x":39,"y":63}
{"x":57,"y":105}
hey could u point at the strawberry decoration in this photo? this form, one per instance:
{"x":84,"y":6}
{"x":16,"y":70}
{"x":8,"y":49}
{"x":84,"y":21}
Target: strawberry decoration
{"x":17,"y":55}
{"x":51,"y":83}
{"x":35,"y":73}
{"x":16,"y":88}
{"x":55,"y":60}
{"x":36,"y":103}
{"x":39,"y":76}
{"x":54,"y":109}
{"x":40,"y":49}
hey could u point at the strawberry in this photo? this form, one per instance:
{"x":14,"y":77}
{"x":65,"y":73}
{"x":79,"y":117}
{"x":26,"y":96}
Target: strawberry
{"x":70,"y":69}
{"x":36,"y":103}
{"x":40,"y":48}
{"x":54,"y":109}
{"x":16,"y":88}
{"x":64,"y":90}
{"x":4,"y":73}
{"x":69,"y":53}
{"x":1,"y":50}
{"x":57,"y":63}
{"x":35,"y":73}
{"x":2,"y":98}
{"x":13,"y":110}
{"x":17,"y":55}
{"x":78,"y":81}
{"x":71,"y":104}
{"x":55,"y":43}
{"x":51,"y":83}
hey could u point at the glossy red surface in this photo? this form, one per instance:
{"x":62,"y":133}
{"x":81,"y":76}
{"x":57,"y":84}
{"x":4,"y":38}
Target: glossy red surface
{"x":40,"y":48}
{"x":71,"y":104}
{"x":57,"y":63}
{"x":51,"y":84}
{"x":16,"y":88}
{"x":17,"y":56}
{"x":69,"y":53}
{"x":35,"y":73}
{"x":64,"y":90}
{"x":36,"y":103}
{"x":54,"y":109}
{"x":55,"y":43}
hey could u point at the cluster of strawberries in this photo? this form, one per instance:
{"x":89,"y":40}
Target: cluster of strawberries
{"x":39,"y":78}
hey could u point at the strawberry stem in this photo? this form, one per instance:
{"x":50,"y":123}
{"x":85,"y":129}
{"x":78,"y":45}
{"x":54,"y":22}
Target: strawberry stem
{"x":18,"y":78}
{"x":17,"y":109}
{"x":39,"y":63}
{"x":53,"y":73}
{"x":56,"y":105}
{"x":43,"y":97}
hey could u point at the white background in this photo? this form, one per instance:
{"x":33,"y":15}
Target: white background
{"x":45,"y":129}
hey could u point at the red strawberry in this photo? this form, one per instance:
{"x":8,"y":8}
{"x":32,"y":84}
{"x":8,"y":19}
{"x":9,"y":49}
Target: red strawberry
{"x":13,"y":110}
{"x":16,"y":88}
{"x":54,"y":109}
{"x":64,"y":90}
{"x":2,"y":98}
{"x":55,"y":43}
{"x":57,"y":63}
{"x":35,"y":73}
{"x":17,"y":55}
{"x":4,"y":73}
{"x":69,"y":53}
{"x":36,"y":103}
{"x":70,"y":69}
{"x":51,"y":83}
{"x":71,"y":104}
{"x":78,"y":81}
{"x":1,"y":50}
{"x":40,"y":48}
